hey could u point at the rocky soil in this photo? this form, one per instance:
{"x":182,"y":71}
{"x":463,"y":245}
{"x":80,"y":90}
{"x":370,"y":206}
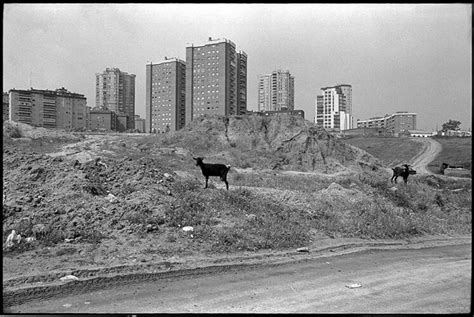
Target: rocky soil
{"x":83,"y":202}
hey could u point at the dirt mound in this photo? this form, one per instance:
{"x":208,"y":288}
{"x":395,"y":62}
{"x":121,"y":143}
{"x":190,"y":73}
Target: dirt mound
{"x":74,"y":200}
{"x":21,"y":130}
{"x":279,"y":143}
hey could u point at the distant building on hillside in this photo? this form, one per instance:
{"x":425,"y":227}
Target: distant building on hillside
{"x":396,"y":123}
{"x":366,"y":132}
{"x":334,"y":108}
{"x":6,"y":106}
{"x":456,"y":133}
{"x":115,"y":91}
{"x":103,"y":120}
{"x":216,"y":79}
{"x":165,"y":95}
{"x":56,"y":109}
{"x":299,"y":113}
{"x":139,"y":123}
{"x":122,"y":122}
{"x":420,"y":133}
{"x":276,"y":91}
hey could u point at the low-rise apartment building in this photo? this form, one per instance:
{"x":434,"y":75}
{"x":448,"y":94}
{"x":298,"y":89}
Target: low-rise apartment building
{"x":395,"y":123}
{"x":101,"y":119}
{"x":56,"y":109}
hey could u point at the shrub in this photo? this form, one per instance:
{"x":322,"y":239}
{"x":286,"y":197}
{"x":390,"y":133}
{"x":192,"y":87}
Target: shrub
{"x":15,"y":132}
{"x":192,"y":211}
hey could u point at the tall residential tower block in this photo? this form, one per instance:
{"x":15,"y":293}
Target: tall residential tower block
{"x":165,"y":95}
{"x":276,"y":91}
{"x":115,"y":91}
{"x":216,"y":79}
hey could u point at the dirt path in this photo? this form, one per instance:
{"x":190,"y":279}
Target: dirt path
{"x":431,"y":148}
{"x":410,"y":280}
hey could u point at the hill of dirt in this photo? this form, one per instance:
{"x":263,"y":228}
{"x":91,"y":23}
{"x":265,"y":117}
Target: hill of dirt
{"x":277,"y":143}
{"x":87,"y":201}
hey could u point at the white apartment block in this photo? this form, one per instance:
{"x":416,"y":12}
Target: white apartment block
{"x":334,"y":108}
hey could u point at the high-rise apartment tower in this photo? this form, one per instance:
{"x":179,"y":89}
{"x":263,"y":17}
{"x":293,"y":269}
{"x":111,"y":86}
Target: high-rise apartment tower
{"x":276,"y":91}
{"x":216,"y":79}
{"x":334,"y":108}
{"x":115,"y":91}
{"x":165,"y":95}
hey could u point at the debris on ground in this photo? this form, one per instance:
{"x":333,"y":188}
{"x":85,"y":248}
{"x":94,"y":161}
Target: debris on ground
{"x":304,"y":249}
{"x":69,"y":278}
{"x":353,"y":285}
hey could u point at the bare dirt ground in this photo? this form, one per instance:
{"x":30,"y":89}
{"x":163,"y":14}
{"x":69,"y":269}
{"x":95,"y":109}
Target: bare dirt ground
{"x":130,"y":254}
{"x":419,"y":278}
{"x":431,"y":148}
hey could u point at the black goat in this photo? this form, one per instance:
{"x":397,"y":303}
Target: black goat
{"x":220,"y":170}
{"x":403,"y":172}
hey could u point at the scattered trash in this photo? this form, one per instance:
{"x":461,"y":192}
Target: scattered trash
{"x":67,"y":305}
{"x":69,"y":278}
{"x":393,"y":189}
{"x":87,"y":303}
{"x":354,"y":285}
{"x":151,"y":227}
{"x":111,"y":198}
{"x":30,"y":239}
{"x":166,"y":175}
{"x":304,"y":249}
{"x":12,"y":238}
{"x":188,"y":228}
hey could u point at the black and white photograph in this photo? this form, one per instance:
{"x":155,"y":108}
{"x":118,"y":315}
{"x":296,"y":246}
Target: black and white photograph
{"x":237,"y":158}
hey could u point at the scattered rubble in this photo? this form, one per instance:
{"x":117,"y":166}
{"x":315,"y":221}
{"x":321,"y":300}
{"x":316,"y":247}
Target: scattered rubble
{"x":69,"y":278}
{"x":304,"y":249}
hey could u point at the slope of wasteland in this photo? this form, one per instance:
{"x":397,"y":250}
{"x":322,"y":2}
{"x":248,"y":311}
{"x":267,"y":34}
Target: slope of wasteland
{"x":112,"y":200}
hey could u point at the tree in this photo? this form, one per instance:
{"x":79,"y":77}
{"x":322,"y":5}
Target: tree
{"x":451,"y":125}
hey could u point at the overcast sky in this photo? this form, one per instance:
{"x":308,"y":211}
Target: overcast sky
{"x":397,"y":57}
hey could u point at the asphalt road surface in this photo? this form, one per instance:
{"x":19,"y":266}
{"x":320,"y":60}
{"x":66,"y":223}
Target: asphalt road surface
{"x":427,"y":280}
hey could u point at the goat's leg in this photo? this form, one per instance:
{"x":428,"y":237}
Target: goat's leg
{"x":207,"y":179}
{"x":226,"y":184}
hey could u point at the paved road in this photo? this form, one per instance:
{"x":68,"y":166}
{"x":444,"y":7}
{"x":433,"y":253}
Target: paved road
{"x":428,"y":280}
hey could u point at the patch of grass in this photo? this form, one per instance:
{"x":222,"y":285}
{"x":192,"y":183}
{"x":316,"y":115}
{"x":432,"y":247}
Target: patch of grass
{"x":305,"y":183}
{"x":390,"y":150}
{"x":233,"y":220}
{"x":456,"y":151}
